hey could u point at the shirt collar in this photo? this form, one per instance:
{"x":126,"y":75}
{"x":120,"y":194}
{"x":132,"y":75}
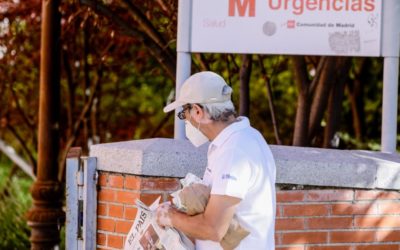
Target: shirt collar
{"x":241,"y":123}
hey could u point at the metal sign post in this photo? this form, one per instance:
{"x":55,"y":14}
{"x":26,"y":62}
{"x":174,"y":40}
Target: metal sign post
{"x":184,"y":59}
{"x":390,"y":51}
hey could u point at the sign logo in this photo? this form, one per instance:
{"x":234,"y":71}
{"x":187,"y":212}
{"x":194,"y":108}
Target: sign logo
{"x":291,"y":24}
{"x":242,"y":6}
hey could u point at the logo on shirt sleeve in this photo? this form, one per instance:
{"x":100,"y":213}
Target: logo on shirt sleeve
{"x":228,"y":177}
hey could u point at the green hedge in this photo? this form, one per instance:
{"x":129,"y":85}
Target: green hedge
{"x":15,"y":201}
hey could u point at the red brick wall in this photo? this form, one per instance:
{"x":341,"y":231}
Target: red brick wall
{"x":342,"y":219}
{"x":115,"y":207}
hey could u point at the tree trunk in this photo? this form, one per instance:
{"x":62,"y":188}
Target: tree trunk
{"x":300,"y":136}
{"x":335,"y":103}
{"x":356,"y":96}
{"x":321,"y":96}
{"x":245,"y":73}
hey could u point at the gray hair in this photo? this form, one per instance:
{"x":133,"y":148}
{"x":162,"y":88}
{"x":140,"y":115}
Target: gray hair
{"x":219,"y":111}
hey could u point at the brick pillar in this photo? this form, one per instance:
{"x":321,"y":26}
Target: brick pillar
{"x":116,"y":203}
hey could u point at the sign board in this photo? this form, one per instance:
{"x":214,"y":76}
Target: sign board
{"x":300,"y":27}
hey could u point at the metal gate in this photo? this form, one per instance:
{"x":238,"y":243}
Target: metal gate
{"x":81,"y":198}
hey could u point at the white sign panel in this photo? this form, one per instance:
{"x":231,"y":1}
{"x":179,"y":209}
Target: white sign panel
{"x":304,"y":27}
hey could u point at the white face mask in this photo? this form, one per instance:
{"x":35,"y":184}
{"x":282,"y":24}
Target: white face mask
{"x":195,"y":136}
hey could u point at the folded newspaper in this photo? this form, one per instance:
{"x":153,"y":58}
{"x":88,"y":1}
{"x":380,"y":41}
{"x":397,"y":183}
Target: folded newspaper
{"x":192,"y":199}
{"x":146,"y":234}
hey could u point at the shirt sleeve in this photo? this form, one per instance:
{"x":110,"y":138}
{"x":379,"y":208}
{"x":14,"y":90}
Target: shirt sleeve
{"x":232,"y":174}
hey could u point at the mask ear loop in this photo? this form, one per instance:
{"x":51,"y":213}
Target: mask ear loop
{"x":198,"y":127}
{"x":190,"y":117}
{"x":190,"y":114}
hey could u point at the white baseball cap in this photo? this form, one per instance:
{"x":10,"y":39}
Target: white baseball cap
{"x":203,"y":87}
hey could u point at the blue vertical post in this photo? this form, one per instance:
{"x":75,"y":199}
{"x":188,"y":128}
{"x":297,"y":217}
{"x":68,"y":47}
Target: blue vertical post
{"x":184,"y":59}
{"x":390,"y":52}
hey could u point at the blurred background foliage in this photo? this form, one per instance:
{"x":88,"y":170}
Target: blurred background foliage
{"x":118,"y":72}
{"x":14,"y":202}
{"x":109,"y":65}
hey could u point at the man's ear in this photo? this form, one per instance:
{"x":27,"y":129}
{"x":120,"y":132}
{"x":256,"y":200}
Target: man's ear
{"x":198,"y":112}
{"x":197,"y":109}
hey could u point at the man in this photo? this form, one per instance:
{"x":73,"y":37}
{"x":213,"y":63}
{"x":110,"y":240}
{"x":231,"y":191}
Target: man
{"x":240,"y":169}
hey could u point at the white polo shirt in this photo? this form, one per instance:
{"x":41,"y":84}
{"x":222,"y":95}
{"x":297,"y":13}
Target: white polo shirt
{"x":240,"y":164}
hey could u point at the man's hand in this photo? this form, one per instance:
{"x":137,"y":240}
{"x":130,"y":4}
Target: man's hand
{"x":163,"y":214}
{"x":210,"y":225}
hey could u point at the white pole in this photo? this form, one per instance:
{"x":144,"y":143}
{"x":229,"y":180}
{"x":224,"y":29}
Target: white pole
{"x":390,"y":51}
{"x":184,"y":58}
{"x":182,"y":73}
{"x":389,"y":114}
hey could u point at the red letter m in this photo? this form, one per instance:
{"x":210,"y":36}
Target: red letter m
{"x":242,"y":6}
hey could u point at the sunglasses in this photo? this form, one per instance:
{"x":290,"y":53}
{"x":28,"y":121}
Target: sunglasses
{"x":181,"y":115}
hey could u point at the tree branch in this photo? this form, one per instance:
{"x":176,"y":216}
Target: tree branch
{"x":145,"y":24}
{"x":86,"y":109}
{"x":159,"y":53}
{"x":318,"y":73}
{"x":161,"y":124}
{"x":16,"y":159}
{"x":23,"y":145}
{"x":270,"y":101}
{"x":70,"y":105}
